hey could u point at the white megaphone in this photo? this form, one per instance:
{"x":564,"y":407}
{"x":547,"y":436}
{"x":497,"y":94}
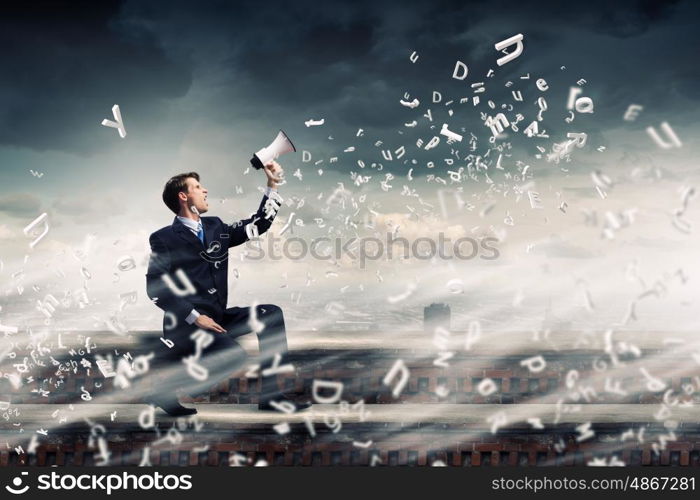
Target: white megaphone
{"x":279,"y":146}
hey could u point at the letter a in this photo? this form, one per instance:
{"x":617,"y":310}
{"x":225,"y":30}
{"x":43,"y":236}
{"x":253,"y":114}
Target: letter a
{"x":535,"y":364}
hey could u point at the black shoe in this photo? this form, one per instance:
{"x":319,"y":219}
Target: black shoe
{"x":172,"y":407}
{"x":266,"y":405}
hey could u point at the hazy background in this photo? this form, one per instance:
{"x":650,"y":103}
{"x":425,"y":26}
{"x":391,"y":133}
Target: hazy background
{"x":203,"y":86}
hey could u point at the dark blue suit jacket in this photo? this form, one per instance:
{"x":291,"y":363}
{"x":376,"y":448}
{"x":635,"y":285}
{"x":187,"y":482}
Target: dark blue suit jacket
{"x":206,"y":266}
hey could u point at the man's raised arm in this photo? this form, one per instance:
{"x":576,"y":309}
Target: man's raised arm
{"x":243,"y":230}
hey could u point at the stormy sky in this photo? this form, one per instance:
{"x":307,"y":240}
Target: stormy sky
{"x":201,"y":86}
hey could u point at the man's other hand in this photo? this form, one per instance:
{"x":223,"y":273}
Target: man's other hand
{"x":274,"y":173}
{"x":205,"y":322}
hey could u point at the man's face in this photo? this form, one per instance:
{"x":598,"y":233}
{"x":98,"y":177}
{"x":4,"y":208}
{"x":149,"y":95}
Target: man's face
{"x":196,"y":195}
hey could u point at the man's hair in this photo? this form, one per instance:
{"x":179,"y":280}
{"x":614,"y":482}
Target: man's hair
{"x":173,"y":187}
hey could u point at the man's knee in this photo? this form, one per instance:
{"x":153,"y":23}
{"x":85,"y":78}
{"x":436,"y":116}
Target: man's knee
{"x":270,"y":310}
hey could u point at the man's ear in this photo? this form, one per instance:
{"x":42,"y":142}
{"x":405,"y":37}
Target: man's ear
{"x":182,"y":196}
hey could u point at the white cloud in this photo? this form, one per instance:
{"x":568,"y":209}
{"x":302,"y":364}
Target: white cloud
{"x":6,"y":233}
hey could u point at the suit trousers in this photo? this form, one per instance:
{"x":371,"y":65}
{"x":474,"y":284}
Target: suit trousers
{"x":199,"y":359}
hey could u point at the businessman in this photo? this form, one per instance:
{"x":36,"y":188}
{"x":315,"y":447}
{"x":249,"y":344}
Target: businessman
{"x":187,"y":278}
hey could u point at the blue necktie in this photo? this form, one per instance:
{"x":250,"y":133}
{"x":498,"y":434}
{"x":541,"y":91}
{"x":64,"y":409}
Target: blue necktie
{"x":200,"y":233}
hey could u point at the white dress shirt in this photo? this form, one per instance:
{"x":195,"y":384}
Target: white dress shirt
{"x":194,"y":226}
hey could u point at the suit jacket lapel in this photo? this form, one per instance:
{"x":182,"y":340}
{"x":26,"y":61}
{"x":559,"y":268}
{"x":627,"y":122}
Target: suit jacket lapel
{"x":208,"y":224}
{"x":183,"y":232}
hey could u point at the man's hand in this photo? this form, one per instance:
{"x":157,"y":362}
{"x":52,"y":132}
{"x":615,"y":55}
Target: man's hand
{"x":274,"y":173}
{"x":205,"y":322}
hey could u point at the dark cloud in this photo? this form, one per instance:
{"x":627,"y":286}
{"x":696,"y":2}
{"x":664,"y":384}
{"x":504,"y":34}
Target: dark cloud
{"x":349,"y":65}
{"x":260,"y":66}
{"x":620,"y":19}
{"x":68,"y":64}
